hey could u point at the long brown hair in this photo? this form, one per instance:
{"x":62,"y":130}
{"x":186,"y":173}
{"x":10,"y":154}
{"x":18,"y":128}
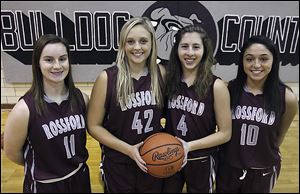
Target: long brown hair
{"x":37,"y":87}
{"x":204,"y":76}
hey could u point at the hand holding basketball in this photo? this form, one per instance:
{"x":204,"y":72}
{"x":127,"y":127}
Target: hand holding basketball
{"x":135,"y":155}
{"x":186,"y":150}
{"x":163,"y":154}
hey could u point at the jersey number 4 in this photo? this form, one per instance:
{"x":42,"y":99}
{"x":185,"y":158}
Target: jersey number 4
{"x":182,"y":126}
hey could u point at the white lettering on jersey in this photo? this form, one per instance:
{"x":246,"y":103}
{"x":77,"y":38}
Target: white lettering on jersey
{"x":63,"y":125}
{"x":254,"y":114}
{"x":138,"y":99}
{"x":187,"y":104}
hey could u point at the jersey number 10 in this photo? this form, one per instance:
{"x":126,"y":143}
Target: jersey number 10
{"x":249,"y":135}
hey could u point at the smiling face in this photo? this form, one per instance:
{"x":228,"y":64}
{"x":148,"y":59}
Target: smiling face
{"x":190,"y":51}
{"x":138,"y":45}
{"x":257,"y":62}
{"x":54,"y":63}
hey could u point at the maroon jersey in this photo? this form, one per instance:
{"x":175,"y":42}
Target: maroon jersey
{"x":55,"y":145}
{"x":190,"y":118}
{"x":134,"y":121}
{"x":254,"y":133}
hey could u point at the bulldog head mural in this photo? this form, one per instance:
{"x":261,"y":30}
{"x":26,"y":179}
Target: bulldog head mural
{"x":167,"y":18}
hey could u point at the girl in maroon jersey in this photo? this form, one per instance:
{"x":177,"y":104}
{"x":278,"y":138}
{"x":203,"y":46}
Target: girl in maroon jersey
{"x":126,"y":108}
{"x":262,"y":110}
{"x":46,"y":131}
{"x":198,"y":101}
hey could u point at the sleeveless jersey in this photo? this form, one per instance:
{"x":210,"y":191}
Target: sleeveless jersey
{"x":191,"y":119}
{"x":254,"y":133}
{"x":55,"y":145}
{"x":134,"y":121}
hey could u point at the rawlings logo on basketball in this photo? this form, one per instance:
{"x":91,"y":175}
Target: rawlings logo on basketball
{"x":168,"y":155}
{"x":163,"y":154}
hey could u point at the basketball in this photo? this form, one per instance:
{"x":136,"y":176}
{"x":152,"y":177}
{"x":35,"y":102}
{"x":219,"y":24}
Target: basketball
{"x":163,"y":154}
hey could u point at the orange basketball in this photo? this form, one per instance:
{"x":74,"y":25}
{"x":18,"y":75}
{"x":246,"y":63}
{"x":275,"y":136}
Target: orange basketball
{"x":163,"y":154}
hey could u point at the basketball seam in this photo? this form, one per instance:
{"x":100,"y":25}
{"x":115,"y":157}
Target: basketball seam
{"x":155,"y":134}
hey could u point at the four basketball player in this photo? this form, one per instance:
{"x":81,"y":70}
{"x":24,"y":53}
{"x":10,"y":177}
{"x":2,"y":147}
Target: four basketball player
{"x":127,"y":103}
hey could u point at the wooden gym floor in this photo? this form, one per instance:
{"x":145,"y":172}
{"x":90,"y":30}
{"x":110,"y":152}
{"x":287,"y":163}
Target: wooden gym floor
{"x":288,"y":181}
